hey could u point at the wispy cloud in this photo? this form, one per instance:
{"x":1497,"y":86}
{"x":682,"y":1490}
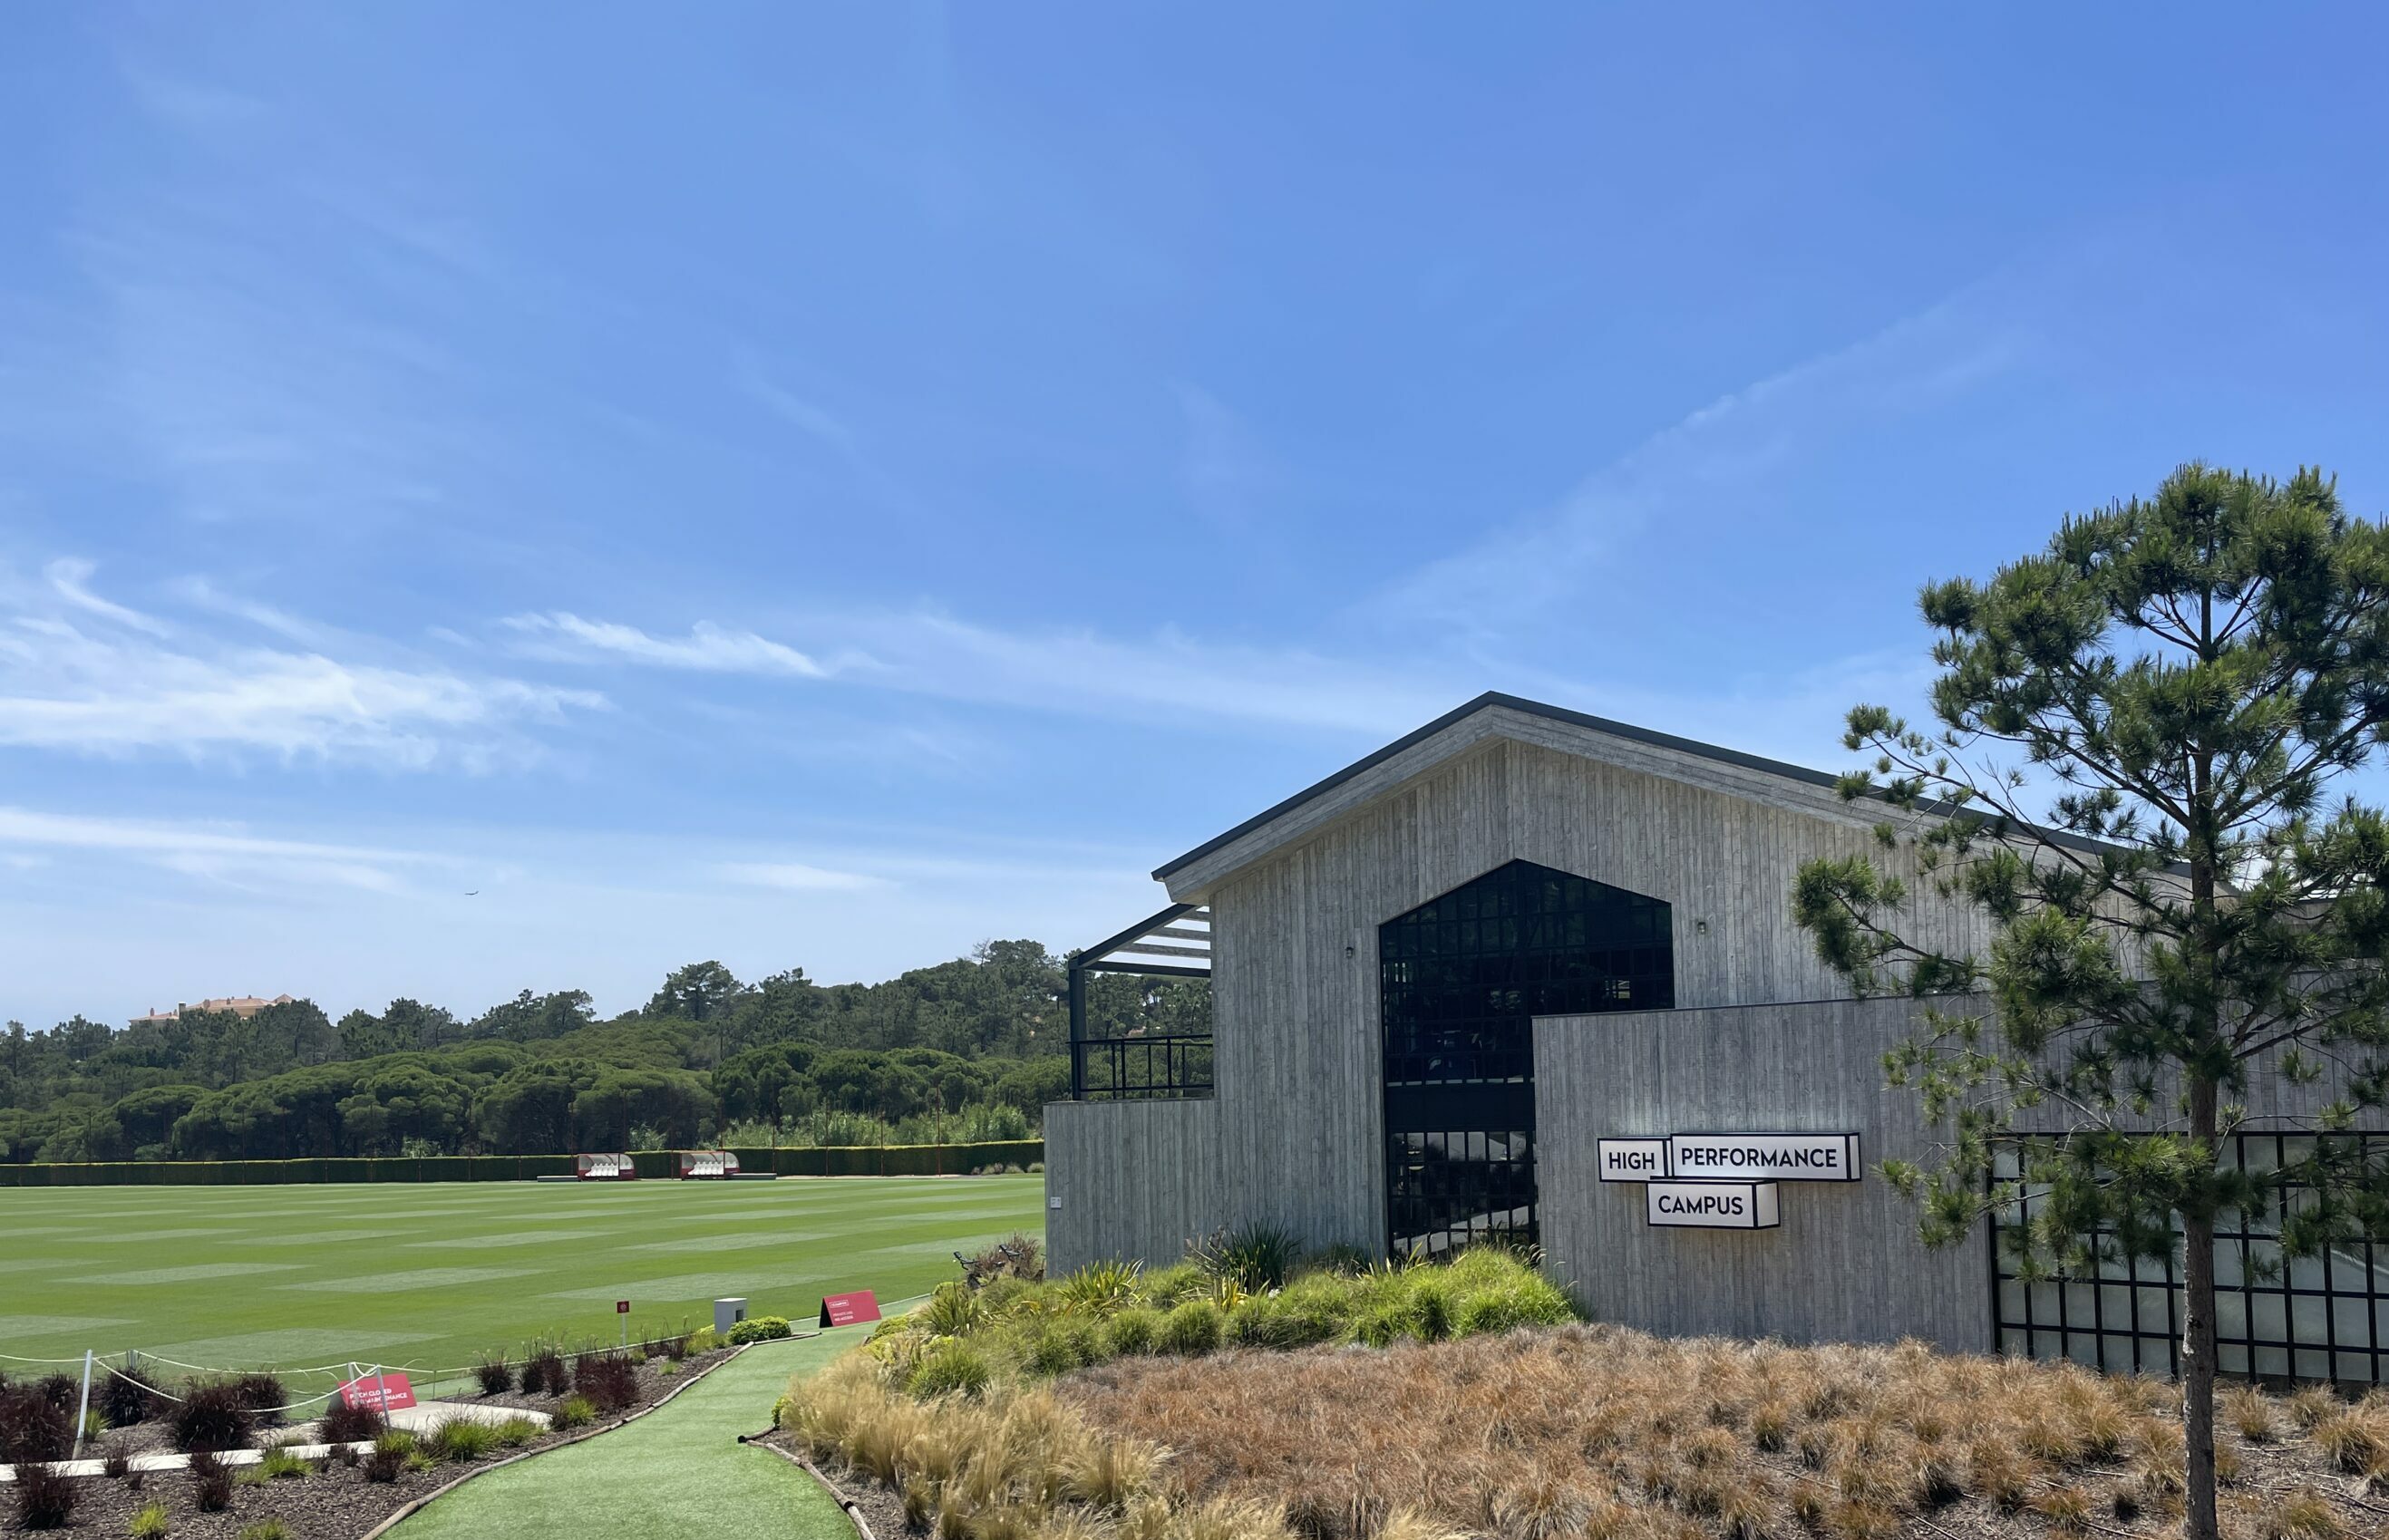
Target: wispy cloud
{"x":1166,"y":677}
{"x":220,"y":853}
{"x":798,"y":877}
{"x":707,"y":647}
{"x":1698,"y":472}
{"x":68,"y":577}
{"x":789,"y":407}
{"x":206,"y":595}
{"x":90,"y":676}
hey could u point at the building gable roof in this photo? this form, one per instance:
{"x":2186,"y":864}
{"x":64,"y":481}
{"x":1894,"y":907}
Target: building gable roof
{"x":1495,"y":715}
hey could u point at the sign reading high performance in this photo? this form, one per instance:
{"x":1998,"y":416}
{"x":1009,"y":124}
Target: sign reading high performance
{"x":1763,"y":1157}
{"x":1724,"y":1181}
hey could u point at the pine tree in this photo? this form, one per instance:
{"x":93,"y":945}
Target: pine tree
{"x":2139,"y":773}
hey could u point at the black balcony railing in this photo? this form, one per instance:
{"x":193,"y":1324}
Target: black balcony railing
{"x":1174,"y":944}
{"x":1116,"y":1069}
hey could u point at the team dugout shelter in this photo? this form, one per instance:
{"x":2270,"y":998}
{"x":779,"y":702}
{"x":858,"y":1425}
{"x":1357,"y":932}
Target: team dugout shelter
{"x":1531,"y":975}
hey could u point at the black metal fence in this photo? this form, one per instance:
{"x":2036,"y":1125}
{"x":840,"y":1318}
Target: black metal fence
{"x":2322,"y":1319}
{"x":1154,"y":1067}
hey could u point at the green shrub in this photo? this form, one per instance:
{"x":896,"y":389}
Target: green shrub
{"x":759,"y":1329}
{"x":953,"y":1310}
{"x":573,"y":1412}
{"x":668,"y":1368}
{"x":1528,"y":1301}
{"x":1253,"y":1257}
{"x":1058,"y":1345}
{"x":1000,"y":1293}
{"x":1169,"y":1286}
{"x":1131,"y":1331}
{"x":1099,"y":1288}
{"x":279,"y":1464}
{"x":1430,"y":1309}
{"x":1190,"y":1330}
{"x":1318,"y":1309}
{"x":953,"y":1368}
{"x":1290,"y":1319}
{"x":516,"y":1431}
{"x":460,"y":1438}
{"x":393,"y":1451}
{"x":152,"y":1522}
{"x":1383,"y":1325}
{"x":266,"y":1528}
{"x":704,"y":1340}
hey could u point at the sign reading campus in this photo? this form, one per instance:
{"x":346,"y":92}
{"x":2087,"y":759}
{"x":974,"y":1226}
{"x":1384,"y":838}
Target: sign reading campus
{"x":1766,"y":1157}
{"x":1724,"y":1181}
{"x":1712,"y":1206}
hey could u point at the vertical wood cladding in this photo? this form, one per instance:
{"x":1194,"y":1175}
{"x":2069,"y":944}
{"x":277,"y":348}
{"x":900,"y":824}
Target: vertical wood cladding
{"x":1843,"y":1265}
{"x":1133,"y":1179}
{"x":1295,"y":937}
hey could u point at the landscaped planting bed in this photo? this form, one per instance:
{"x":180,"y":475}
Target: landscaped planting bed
{"x":335,"y":1498}
{"x":1476,"y":1417}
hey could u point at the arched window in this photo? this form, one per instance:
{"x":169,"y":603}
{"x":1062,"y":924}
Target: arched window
{"x":1462,"y":978}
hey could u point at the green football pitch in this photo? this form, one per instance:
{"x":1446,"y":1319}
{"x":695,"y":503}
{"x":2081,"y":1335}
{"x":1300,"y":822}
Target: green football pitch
{"x":433,"y":1275}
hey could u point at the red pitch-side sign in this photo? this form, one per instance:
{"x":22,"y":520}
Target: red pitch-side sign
{"x":383,"y":1393}
{"x":622,"y":1307}
{"x":849,"y":1309}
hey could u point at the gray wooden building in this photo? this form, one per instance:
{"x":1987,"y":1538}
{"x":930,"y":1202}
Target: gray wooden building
{"x":1441,"y":977}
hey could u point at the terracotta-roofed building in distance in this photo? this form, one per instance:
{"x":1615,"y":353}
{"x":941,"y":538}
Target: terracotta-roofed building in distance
{"x":243,"y":1006}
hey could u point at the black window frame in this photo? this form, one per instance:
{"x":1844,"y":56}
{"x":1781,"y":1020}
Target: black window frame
{"x":1461,"y":979}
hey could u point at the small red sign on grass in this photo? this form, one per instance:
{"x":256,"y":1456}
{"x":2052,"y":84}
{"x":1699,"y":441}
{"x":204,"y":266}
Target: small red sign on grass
{"x":849,"y":1309}
{"x":383,"y":1393}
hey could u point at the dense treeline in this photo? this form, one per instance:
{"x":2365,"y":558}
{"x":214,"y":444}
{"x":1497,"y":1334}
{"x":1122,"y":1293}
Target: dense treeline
{"x":968,"y":1049}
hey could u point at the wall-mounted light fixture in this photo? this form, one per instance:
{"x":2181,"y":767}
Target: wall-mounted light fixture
{"x":1700,"y":927}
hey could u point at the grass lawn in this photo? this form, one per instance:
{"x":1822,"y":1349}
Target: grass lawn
{"x":675,"y":1474}
{"x":430,"y":1274}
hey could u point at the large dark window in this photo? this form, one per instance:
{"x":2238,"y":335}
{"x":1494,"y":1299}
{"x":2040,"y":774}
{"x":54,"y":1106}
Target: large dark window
{"x":1462,"y":978}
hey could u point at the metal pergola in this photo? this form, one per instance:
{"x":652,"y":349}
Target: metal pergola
{"x":1175,"y":943}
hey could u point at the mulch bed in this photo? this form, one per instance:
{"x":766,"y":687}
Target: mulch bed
{"x":335,"y":1503}
{"x":882,"y":1509}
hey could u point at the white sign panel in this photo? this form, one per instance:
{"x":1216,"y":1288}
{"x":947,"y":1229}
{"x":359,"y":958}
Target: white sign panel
{"x":1765,"y":1157}
{"x":1712,"y":1206}
{"x":1631,"y":1159}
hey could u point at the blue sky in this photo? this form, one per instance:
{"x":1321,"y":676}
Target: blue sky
{"x":823,"y":485}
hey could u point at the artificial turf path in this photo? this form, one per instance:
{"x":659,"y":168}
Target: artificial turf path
{"x":432,"y":1275}
{"x":676,"y":1474}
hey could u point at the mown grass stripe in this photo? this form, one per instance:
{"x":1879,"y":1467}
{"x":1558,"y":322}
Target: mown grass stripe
{"x":353,"y":1280}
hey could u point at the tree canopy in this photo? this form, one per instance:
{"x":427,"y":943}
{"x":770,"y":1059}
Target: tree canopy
{"x":978,"y":1039}
{"x":2142,"y":774}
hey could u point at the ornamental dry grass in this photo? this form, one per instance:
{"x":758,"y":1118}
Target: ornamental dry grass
{"x":1607,"y":1435}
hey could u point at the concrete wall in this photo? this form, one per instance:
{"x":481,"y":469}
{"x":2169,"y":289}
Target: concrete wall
{"x":1132,"y":1179}
{"x":1845,"y":1266}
